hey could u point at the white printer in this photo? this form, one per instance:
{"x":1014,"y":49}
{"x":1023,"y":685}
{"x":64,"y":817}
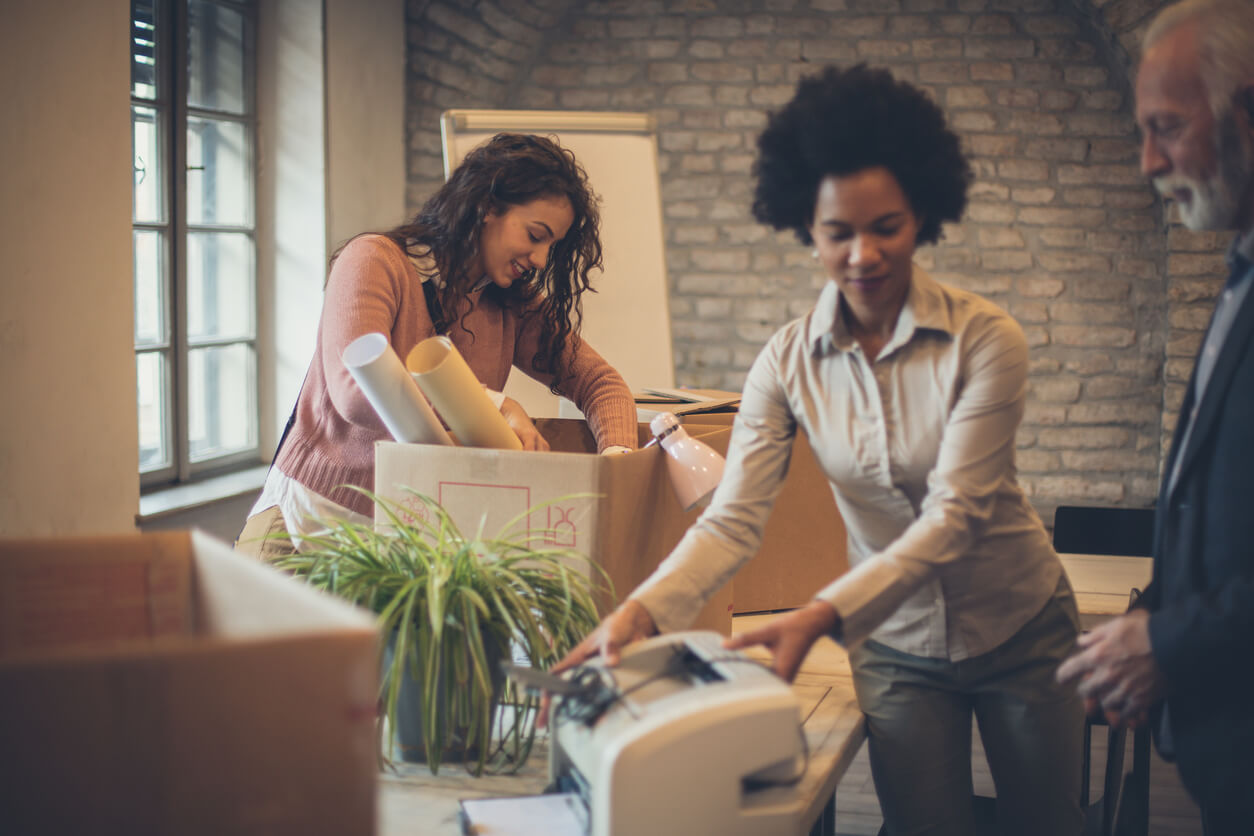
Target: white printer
{"x":681,"y":737}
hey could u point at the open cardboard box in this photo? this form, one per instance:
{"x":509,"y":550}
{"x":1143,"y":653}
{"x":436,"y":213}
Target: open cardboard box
{"x":161,"y":684}
{"x":620,"y":511}
{"x":804,"y":546}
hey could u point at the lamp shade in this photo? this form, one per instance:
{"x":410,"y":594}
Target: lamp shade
{"x":693,"y":466}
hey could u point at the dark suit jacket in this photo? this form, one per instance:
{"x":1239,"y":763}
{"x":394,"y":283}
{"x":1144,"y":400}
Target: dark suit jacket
{"x":1202,"y":596}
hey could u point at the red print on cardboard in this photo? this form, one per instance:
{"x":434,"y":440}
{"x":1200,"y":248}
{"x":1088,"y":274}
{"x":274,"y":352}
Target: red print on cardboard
{"x":562,"y":530}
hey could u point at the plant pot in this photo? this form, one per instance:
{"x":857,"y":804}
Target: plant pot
{"x":408,"y":735}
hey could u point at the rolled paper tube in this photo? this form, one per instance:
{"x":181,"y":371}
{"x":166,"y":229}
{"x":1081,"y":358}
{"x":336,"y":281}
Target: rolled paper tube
{"x":392,"y":392}
{"x":442,"y":374}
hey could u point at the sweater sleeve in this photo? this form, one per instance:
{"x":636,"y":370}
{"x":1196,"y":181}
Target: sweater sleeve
{"x":363,"y":295}
{"x":594,"y":386}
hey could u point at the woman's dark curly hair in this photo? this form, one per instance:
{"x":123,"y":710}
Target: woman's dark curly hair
{"x":843,"y":121}
{"x":511,"y":170}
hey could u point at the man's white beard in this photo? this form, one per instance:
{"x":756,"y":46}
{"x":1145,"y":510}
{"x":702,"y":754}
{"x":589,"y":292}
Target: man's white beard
{"x":1216,"y":201}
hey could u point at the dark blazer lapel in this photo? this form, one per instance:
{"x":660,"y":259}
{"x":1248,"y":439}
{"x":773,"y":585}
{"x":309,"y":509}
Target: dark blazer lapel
{"x":1217,"y":387}
{"x":1173,"y":452}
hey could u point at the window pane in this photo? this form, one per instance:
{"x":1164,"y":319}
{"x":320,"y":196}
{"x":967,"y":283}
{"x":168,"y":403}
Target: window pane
{"x":150,"y":285}
{"x":220,"y":287}
{"x":221,"y":416}
{"x":219,"y":181}
{"x":153,"y":387}
{"x":143,"y":49}
{"x":145,"y":136}
{"x":215,"y":65}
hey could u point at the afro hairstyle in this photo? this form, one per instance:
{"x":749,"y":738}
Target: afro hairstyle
{"x":843,"y":121}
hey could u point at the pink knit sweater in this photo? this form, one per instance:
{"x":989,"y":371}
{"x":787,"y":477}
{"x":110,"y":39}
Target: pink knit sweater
{"x":374,"y":286}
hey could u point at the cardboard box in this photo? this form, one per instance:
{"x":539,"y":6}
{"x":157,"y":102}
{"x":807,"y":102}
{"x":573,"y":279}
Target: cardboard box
{"x":161,"y":684}
{"x":804,"y":546}
{"x":620,"y":511}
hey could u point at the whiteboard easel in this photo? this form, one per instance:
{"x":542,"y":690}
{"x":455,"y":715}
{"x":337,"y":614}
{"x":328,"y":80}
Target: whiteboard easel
{"x":628,"y":319}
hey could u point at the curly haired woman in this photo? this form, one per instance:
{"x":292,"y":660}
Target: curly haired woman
{"x":496,"y":260}
{"x":910,"y":392}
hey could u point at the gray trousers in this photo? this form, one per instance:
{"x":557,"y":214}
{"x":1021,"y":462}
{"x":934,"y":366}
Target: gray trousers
{"x":919,"y":714}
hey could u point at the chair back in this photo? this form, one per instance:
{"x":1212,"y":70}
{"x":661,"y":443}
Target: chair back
{"x":1082,"y":529}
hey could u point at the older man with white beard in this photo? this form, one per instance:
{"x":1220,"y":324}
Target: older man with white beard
{"x":1183,"y":658}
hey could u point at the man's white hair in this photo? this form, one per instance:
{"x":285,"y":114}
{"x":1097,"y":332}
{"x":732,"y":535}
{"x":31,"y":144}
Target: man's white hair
{"x":1225,"y":37}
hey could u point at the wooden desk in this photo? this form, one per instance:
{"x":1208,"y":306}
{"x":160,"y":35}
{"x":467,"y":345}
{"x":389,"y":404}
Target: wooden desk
{"x":1102,"y":583}
{"x":416,"y":802}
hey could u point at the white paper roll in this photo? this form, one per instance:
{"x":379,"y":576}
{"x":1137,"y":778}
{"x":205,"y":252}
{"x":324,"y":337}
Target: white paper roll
{"x":442,"y":374}
{"x":392,"y":392}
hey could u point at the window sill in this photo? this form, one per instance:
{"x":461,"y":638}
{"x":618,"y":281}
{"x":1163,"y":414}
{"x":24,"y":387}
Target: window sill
{"x":169,"y":501}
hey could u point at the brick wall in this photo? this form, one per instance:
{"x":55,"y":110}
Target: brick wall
{"x":1062,"y":230}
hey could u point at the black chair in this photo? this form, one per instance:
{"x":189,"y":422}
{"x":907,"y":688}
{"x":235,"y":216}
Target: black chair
{"x":1123,"y":809}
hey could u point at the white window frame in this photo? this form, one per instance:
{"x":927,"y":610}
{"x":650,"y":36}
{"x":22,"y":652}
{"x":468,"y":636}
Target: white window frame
{"x":175,"y":345}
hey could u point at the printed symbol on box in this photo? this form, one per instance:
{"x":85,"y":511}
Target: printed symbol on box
{"x":562,"y":531}
{"x":413,"y":511}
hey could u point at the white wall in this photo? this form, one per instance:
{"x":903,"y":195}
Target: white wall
{"x":291,"y":252}
{"x":68,"y":439}
{"x":365,"y":82}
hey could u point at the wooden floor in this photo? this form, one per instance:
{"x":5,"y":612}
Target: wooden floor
{"x":1172,"y":813}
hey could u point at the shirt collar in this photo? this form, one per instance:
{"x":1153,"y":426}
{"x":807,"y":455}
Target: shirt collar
{"x":1241,"y":252}
{"x":924,"y":310}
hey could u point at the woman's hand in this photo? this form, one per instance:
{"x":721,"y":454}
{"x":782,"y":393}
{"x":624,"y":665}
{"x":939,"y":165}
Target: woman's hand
{"x":790,"y":636}
{"x":629,"y":623}
{"x":520,"y":422}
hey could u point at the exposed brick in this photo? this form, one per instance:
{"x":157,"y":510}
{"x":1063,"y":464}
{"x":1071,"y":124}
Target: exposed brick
{"x":1091,"y":314}
{"x":1006,"y":237}
{"x":1040,"y":287}
{"x":1086,"y":438}
{"x":1062,"y":217}
{"x":1037,"y":461}
{"x":1033,"y":194}
{"x":1023,"y":170}
{"x":1071,"y":150}
{"x":992,"y":145}
{"x":1059,"y":99}
{"x":1005,"y":260}
{"x":936,"y":48}
{"x":1082,"y":335}
{"x":992,"y":71}
{"x":1056,"y":390}
{"x":1073,"y":488}
{"x":1069,"y":238}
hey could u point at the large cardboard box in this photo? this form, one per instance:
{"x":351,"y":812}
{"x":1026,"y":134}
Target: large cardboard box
{"x":804,"y":546}
{"x":620,"y":511}
{"x":161,"y":684}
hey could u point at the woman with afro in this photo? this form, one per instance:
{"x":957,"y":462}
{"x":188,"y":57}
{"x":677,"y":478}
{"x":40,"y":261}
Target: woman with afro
{"x":910,"y":392}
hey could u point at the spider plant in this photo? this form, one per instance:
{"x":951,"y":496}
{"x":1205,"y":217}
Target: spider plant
{"x":454,"y":606}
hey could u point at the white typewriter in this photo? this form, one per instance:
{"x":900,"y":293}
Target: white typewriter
{"x":682,"y":737}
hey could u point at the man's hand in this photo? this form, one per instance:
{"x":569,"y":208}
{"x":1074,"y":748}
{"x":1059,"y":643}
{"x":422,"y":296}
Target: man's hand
{"x":790,"y":636}
{"x":629,"y":623}
{"x":520,"y":422}
{"x":1116,"y":670}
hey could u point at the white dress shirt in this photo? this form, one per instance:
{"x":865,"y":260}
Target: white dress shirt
{"x":948,"y":559}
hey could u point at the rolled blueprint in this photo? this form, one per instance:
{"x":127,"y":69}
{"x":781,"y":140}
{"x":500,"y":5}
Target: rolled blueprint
{"x":392,"y":392}
{"x":442,"y":374}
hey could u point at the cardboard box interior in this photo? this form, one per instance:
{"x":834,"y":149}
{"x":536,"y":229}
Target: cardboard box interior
{"x":160,"y":683}
{"x":620,"y":511}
